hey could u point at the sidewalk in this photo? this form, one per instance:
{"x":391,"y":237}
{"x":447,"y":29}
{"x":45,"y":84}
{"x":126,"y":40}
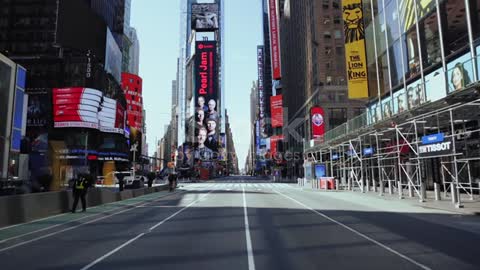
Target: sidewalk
{"x":470,"y":207}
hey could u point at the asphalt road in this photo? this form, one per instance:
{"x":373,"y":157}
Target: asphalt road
{"x":247,"y":226}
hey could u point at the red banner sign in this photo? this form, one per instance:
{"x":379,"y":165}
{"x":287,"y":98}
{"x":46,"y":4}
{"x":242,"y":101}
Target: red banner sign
{"x":318,"y":122}
{"x":276,"y":108}
{"x":274,"y":40}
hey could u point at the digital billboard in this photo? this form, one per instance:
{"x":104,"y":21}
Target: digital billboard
{"x":262,"y":110}
{"x":273,"y":20}
{"x":206,"y":101}
{"x":317,"y":121}
{"x":87,"y":108}
{"x":276,"y":109}
{"x":460,"y":73}
{"x":355,"y":56}
{"x":205,"y":17}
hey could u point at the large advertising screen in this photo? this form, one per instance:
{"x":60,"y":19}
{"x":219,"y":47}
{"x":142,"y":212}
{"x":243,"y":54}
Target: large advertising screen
{"x":262,"y":110}
{"x":87,"y":108}
{"x":460,"y":73}
{"x":274,"y":39}
{"x":355,"y":55}
{"x":205,"y":17}
{"x":318,"y":124}
{"x":206,"y":101}
{"x":276,"y":108}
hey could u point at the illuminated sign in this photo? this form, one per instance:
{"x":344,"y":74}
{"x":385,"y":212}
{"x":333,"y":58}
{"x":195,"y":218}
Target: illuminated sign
{"x":274,"y":39}
{"x":205,"y":17}
{"x":87,"y":108}
{"x":355,"y":55}
{"x":276,"y":109}
{"x":318,"y":123}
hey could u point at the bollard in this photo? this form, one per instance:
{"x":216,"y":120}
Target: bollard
{"x":374,"y":185}
{"x":349,"y":186}
{"x":382,"y":188}
{"x":423,"y":192}
{"x":410,"y":189}
{"x":400,"y":190}
{"x":436,"y":187}
{"x":453,"y":190}
{"x":390,"y":187}
{"x":368,"y":185}
{"x":336,"y":184}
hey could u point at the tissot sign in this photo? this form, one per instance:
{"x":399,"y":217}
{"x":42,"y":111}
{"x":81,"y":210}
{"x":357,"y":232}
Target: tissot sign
{"x":435,"y":145}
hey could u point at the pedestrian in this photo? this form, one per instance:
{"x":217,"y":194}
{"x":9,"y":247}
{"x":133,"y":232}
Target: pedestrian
{"x":80,"y":187}
{"x":172,"y":176}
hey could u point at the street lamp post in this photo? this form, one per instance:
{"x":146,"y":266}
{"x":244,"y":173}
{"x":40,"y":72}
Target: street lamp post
{"x":134,"y":150}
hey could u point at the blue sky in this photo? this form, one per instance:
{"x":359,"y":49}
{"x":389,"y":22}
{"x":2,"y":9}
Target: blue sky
{"x":157,"y":24}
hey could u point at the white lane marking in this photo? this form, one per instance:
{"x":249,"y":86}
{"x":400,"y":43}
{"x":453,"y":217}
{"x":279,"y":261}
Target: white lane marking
{"x":251,"y":261}
{"x":81,"y":224}
{"x":60,"y":224}
{"x":112,"y":252}
{"x":142,"y":234}
{"x":358,"y":233}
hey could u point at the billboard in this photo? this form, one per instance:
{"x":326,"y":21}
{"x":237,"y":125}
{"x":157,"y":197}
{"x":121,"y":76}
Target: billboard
{"x":274,"y":39}
{"x":355,"y":55}
{"x":113,"y":57}
{"x":206,"y":100}
{"x":204,"y":17}
{"x":87,"y":108}
{"x":318,"y":124}
{"x":276,"y":105}
{"x":261,"y":93}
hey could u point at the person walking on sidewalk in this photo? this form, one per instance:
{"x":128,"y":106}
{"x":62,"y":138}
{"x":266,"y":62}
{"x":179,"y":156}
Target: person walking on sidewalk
{"x":80,"y":187}
{"x":172,"y":176}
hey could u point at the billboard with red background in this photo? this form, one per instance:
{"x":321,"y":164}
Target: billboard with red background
{"x":276,"y":109}
{"x":274,"y":39}
{"x":132,"y":87}
{"x":87,"y":108}
{"x":318,"y":122}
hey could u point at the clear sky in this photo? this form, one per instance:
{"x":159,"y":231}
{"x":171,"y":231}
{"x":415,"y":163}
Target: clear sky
{"x":157,"y":23}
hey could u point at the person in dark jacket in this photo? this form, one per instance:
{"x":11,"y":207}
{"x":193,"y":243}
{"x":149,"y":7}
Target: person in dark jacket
{"x":80,"y":187}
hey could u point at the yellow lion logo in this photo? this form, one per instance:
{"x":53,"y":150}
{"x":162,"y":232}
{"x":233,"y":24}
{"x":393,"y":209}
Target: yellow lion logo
{"x":353,"y":23}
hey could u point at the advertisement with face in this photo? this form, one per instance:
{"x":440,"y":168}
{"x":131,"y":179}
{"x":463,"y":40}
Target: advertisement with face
{"x":317,"y":119}
{"x":435,"y":85}
{"x":387,"y":107}
{"x":460,"y":73}
{"x":415,"y":94}
{"x":206,"y":111}
{"x":372,"y":114}
{"x":204,"y":17}
{"x":399,"y":101}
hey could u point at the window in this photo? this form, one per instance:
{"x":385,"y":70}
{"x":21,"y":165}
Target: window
{"x":328,"y":50}
{"x":411,"y":44}
{"x":383,"y":72}
{"x":454,"y":24}
{"x":327,"y":35}
{"x":430,"y":38}
{"x":339,"y":51}
{"x":326,"y":4}
{"x":396,"y":65}
{"x":475,"y":16}
{"x":327,"y":20}
{"x":337,"y":116}
{"x":337,"y":20}
{"x":338,"y":34}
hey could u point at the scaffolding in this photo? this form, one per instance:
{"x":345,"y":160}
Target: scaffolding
{"x":392,"y":154}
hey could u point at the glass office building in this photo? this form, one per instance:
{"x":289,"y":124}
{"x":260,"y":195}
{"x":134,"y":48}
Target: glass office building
{"x":419,"y":52}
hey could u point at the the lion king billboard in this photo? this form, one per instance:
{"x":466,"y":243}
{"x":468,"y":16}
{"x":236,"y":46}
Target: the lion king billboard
{"x":355,"y":56}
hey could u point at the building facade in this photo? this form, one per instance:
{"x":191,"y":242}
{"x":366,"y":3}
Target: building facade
{"x":72,"y":52}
